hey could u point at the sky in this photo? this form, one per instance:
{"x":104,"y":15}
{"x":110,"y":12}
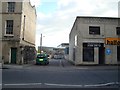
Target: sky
{"x":55,"y":18}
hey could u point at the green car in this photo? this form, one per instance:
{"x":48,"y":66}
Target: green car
{"x":42,"y":59}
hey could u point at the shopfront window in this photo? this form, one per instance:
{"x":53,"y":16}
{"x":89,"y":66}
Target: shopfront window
{"x":88,"y":54}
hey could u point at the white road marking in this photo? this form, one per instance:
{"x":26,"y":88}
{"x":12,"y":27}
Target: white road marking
{"x":63,"y":85}
{"x":67,"y":85}
{"x":22,"y":84}
{"x":105,"y":84}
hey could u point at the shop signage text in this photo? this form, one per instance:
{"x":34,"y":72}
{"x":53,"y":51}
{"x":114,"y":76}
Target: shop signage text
{"x":112,"y":41}
{"x":93,"y":44}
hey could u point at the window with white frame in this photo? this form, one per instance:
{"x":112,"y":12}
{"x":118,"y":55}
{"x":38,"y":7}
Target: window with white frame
{"x":11,"y":6}
{"x":9,"y":27}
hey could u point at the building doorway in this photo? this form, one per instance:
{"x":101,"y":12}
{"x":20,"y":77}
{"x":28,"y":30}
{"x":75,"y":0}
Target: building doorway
{"x":13,"y":55}
{"x":118,"y":53}
{"x":101,"y":55}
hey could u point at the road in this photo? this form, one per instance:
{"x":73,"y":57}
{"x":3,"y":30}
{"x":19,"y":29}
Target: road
{"x":59,"y":74}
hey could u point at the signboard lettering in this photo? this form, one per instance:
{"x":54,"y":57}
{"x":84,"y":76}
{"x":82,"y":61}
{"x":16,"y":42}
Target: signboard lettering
{"x":112,"y":41}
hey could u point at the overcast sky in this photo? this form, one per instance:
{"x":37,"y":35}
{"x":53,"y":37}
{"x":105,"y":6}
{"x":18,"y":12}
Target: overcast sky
{"x":55,"y":18}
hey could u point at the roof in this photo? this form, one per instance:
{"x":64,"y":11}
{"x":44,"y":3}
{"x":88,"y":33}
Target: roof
{"x":98,"y":17}
{"x":92,"y":17}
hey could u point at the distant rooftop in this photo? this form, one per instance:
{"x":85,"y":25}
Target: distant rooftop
{"x":63,"y":45}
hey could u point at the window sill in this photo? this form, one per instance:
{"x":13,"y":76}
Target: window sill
{"x":8,"y":35}
{"x":94,"y":34}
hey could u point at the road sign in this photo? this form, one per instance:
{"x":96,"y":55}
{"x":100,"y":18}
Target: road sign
{"x":108,"y":51}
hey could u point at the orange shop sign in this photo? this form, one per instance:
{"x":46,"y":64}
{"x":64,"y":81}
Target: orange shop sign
{"x":112,"y":41}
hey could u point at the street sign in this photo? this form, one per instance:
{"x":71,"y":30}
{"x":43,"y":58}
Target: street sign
{"x":108,"y":51}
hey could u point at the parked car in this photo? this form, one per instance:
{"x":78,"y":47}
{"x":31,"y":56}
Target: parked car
{"x":42,"y":59}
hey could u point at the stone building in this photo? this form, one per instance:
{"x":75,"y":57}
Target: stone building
{"x":94,"y":40}
{"x":18,"y":31}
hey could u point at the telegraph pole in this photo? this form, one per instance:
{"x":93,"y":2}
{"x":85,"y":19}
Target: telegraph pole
{"x":41,"y":43}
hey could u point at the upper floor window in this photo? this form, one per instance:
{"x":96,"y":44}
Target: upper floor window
{"x":94,"y":30}
{"x":118,"y":30}
{"x":9,"y":27}
{"x":11,"y":6}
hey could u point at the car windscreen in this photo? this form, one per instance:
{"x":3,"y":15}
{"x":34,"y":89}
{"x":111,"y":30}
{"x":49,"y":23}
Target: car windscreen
{"x":41,"y":56}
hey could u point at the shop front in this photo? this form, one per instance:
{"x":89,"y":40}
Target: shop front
{"x":94,"y":53}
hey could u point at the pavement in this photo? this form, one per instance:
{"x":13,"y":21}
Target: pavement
{"x":60,"y":64}
{"x":15,"y":66}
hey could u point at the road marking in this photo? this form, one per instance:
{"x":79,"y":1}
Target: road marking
{"x":63,"y":85}
{"x":22,"y":84}
{"x":71,"y":85}
{"x":105,"y":84}
{"x":66,"y":85}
